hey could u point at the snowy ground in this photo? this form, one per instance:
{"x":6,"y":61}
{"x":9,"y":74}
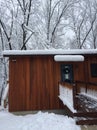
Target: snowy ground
{"x":39,"y":121}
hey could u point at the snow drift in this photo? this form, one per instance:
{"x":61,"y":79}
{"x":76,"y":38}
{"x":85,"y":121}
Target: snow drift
{"x":39,"y":121}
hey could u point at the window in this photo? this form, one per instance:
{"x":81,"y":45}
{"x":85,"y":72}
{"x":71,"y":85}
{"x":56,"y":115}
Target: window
{"x":67,"y":73}
{"x":93,"y":70}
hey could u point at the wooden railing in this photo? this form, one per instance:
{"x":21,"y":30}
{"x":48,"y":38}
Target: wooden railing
{"x":86,"y":114}
{"x":77,"y":93}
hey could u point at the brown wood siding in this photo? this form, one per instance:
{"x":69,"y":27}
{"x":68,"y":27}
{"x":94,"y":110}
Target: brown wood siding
{"x":91,"y":88}
{"x":34,"y":81}
{"x":79,"y":71}
{"x":45,"y":75}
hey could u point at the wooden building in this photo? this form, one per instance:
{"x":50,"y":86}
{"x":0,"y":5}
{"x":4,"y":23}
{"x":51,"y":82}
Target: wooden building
{"x":35,"y":77}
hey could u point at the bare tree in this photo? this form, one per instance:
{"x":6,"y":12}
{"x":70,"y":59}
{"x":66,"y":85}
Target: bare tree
{"x":93,"y":15}
{"x":8,"y":35}
{"x":26,"y":10}
{"x":55,"y":11}
{"x":83,"y":23}
{"x":3,"y":69}
{"x":89,"y":30}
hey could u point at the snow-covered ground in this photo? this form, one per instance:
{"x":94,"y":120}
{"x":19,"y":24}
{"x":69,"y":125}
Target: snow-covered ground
{"x":39,"y":121}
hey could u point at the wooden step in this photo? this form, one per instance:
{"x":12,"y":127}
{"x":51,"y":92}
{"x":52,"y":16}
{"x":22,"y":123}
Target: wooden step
{"x":86,"y":114}
{"x":86,"y":121}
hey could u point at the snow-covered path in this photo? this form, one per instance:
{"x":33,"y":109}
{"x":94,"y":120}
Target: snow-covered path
{"x":39,"y":121}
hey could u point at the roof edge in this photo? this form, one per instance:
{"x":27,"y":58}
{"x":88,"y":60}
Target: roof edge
{"x":49,"y":52}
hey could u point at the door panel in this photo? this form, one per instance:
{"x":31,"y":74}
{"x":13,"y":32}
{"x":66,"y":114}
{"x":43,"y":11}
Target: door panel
{"x":18,"y":84}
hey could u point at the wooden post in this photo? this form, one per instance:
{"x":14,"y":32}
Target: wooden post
{"x":74,"y":95}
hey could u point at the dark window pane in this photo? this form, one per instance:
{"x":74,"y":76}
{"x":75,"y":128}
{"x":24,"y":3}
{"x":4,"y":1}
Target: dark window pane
{"x":94,"y":70}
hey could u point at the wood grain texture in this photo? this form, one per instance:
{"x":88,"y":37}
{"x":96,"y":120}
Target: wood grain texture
{"x":44,"y":83}
{"x":34,"y":81}
{"x":17,"y":89}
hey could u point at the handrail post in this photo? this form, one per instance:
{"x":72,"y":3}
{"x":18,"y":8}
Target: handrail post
{"x":74,"y":95}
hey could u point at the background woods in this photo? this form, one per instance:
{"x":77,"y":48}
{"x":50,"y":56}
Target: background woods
{"x":38,"y":24}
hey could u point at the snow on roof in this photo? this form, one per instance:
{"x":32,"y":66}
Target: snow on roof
{"x":49,"y":52}
{"x":69,"y":58}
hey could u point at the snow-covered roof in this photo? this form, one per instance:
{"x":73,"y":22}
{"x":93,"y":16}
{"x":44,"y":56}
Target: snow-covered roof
{"x":73,"y":58}
{"x":49,"y":52}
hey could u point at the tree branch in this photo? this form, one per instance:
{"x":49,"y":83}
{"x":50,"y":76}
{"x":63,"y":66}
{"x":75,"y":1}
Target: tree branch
{"x":2,"y":39}
{"x":21,"y":6}
{"x":29,"y":10}
{"x":58,"y":21}
{"x":89,"y":30}
{"x":27,"y":40}
{"x":3,"y":27}
{"x":54,"y":8}
{"x":5,"y":32}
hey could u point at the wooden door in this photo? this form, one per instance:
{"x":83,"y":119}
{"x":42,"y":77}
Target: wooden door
{"x":19,"y":84}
